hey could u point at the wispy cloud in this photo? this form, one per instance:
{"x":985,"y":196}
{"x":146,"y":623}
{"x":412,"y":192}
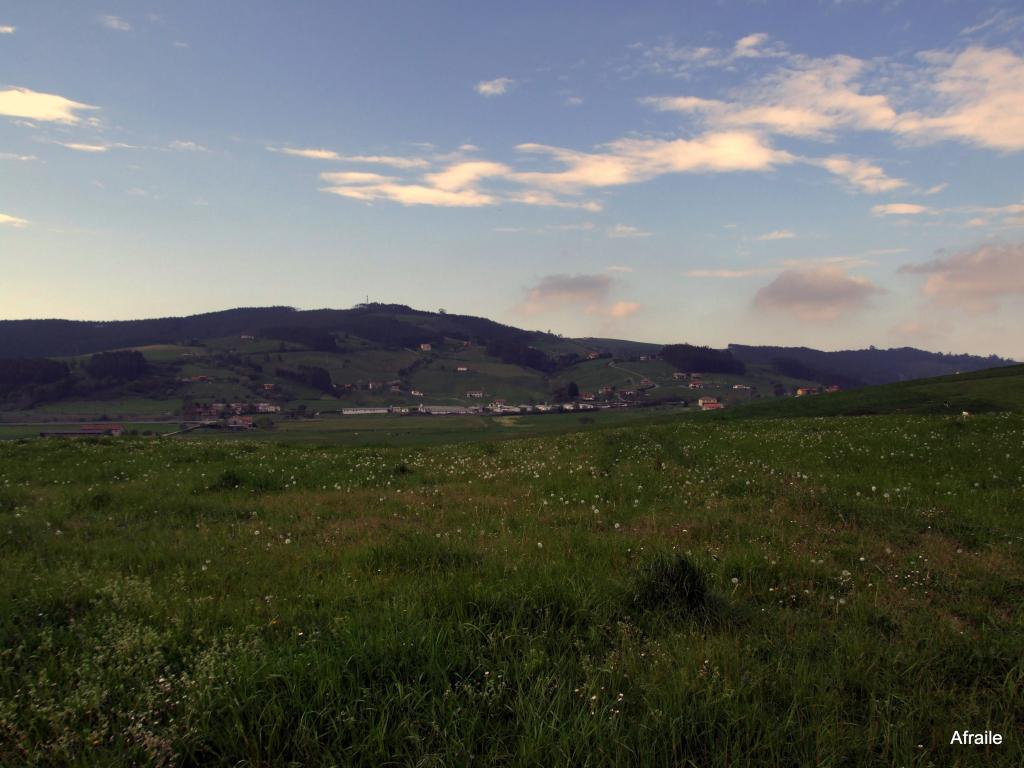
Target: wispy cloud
{"x":13,"y":156}
{"x":329,"y":154}
{"x":44,"y":107}
{"x":860,"y":174}
{"x":186,"y":146}
{"x":618,"y":268}
{"x":495,"y":87}
{"x":778,"y":234}
{"x":625,"y":230}
{"x":937,"y":188}
{"x":81,"y":147}
{"x":973,"y":96}
{"x":816,"y":294}
{"x":115,"y":23}
{"x":12,"y":221}
{"x":7,"y":30}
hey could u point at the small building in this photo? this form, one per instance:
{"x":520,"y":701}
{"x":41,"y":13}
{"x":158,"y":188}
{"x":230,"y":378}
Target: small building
{"x":399,"y":409}
{"x":475,"y":393}
{"x":593,"y":355}
{"x":588,"y":396}
{"x":248,"y":337}
{"x":833,"y":388}
{"x":646,"y":383}
{"x":802,"y":391}
{"x":709,"y":403}
{"x":269,"y":387}
{"x":238,"y":422}
{"x":267,"y":408}
{"x":425,"y":347}
{"x":680,"y":376}
{"x":740,"y":386}
{"x":462,"y":369}
{"x":416,"y":393}
{"x":363,"y":411}
{"x":115,"y":430}
{"x":696,"y":385}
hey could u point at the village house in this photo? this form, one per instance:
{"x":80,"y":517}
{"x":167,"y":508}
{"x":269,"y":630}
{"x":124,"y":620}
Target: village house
{"x":425,"y":347}
{"x":443,"y":410}
{"x":802,"y":391}
{"x":267,"y":408}
{"x":588,"y":396}
{"x":364,"y":411}
{"x":646,"y":383}
{"x":696,"y":385}
{"x":709,"y":403}
{"x":238,"y":422}
{"x":680,"y":376}
{"x":593,"y":355}
{"x":740,"y":386}
{"x":399,"y":409}
{"x":416,"y":393}
{"x":462,"y":369}
{"x":269,"y":387}
{"x":833,"y":388}
{"x":476,"y":393}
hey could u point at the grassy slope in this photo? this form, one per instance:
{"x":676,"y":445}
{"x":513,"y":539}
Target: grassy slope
{"x":225,"y":603}
{"x":995,"y":389}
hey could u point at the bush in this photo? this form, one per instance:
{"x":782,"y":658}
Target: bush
{"x":671,"y":582}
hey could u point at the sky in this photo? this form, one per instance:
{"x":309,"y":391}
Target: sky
{"x":834,"y":174}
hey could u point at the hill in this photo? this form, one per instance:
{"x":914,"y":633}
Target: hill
{"x":391,"y":354}
{"x":992,"y":390}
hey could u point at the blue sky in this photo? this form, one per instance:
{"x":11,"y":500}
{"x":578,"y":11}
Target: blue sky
{"x":831,"y":174}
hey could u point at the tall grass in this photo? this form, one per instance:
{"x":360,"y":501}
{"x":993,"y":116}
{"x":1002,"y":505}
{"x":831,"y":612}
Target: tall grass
{"x":804,"y":592}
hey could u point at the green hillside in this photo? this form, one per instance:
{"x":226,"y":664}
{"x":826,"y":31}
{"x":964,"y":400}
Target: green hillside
{"x":992,"y":390}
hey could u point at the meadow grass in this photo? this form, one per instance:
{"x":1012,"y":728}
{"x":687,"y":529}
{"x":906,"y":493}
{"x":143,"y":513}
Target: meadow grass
{"x":840,"y":591}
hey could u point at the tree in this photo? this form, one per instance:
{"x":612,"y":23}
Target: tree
{"x":573,"y":390}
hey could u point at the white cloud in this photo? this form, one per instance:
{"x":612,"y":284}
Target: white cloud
{"x":6,"y":30}
{"x":629,"y":160}
{"x":574,"y":101}
{"x":618,"y":268}
{"x":80,"y":147}
{"x":187,"y":146}
{"x":975,"y":96}
{"x":937,"y":188}
{"x":860,"y":174}
{"x":625,"y":230}
{"x":355,"y":177}
{"x":116,"y":23}
{"x":816,"y":294}
{"x":900,"y":209}
{"x":973,"y":280}
{"x":494,"y":87}
{"x":12,"y":221}
{"x":778,"y":234}
{"x":312,"y":154}
{"x":45,"y":107}
{"x":13,"y":156}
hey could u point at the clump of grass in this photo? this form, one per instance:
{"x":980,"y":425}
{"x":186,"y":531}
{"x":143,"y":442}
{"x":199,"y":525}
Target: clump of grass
{"x":671,"y":583}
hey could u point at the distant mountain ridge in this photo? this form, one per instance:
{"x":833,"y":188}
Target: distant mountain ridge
{"x":396,"y":326}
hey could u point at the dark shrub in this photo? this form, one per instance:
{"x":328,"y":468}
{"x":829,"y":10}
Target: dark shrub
{"x":671,"y":582}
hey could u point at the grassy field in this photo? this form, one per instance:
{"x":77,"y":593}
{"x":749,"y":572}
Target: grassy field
{"x":696,"y":592}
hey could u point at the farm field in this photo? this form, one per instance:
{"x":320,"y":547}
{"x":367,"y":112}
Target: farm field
{"x":695,"y":591}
